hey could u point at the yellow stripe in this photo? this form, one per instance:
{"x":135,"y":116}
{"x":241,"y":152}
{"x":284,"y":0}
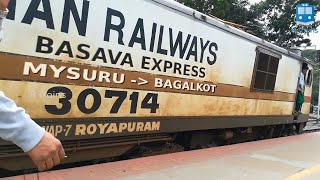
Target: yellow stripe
{"x":304,"y":173}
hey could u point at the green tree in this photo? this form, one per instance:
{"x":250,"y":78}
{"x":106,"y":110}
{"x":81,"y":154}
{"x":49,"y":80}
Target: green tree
{"x":278,"y":18}
{"x":271,"y":20}
{"x":313,"y":56}
{"x":236,"y":11}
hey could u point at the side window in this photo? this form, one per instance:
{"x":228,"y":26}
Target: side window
{"x":309,"y":78}
{"x":265,"y":71}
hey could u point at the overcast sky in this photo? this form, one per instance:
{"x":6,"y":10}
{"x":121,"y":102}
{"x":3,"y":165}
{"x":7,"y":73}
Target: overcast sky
{"x":315,"y":37}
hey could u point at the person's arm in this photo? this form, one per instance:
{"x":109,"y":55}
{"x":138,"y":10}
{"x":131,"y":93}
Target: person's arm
{"x":301,"y":82}
{"x":3,"y":14}
{"x":17,"y":126}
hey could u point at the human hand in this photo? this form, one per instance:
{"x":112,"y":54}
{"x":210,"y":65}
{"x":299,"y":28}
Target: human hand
{"x":4,"y":4}
{"x":48,"y":153}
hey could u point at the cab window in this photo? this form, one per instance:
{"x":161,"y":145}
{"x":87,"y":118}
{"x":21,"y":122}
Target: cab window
{"x":265,"y":71}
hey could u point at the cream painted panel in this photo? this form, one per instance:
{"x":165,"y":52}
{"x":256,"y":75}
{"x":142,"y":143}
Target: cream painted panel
{"x":235,"y":55}
{"x":33,"y":97}
{"x":305,"y":108}
{"x":288,"y":74}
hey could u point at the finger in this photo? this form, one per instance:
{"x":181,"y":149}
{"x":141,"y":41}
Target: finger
{"x":56,"y":159}
{"x":4,"y":4}
{"x":41,"y":165}
{"x":49,"y":164}
{"x":61,"y":153}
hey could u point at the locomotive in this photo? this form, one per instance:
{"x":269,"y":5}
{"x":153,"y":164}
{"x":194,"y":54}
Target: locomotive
{"x":110,"y":79}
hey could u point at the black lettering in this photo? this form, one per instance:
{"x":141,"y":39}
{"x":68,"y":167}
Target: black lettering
{"x":202,"y":73}
{"x":215,"y":46}
{"x":109,"y":26}
{"x":160,"y":50}
{"x":144,"y":62}
{"x":167,"y":65}
{"x":157,"y":64}
{"x":139,"y":29}
{"x":100,"y":54}
{"x":64,"y":101}
{"x":153,"y":105}
{"x":186,"y":70}
{"x":81,"y":23}
{"x":127,"y":60}
{"x":65,"y":44}
{"x":114,"y":60}
{"x":122,"y":95}
{"x":203,"y":48}
{"x":195,"y":72}
{"x":12,"y":10}
{"x":81,"y":102}
{"x":177,"y":68}
{"x":33,"y":12}
{"x":41,"y":43}
{"x":134,"y":102}
{"x":193,"y":49}
{"x":85,"y":53}
{"x":153,"y":36}
{"x":178,"y":42}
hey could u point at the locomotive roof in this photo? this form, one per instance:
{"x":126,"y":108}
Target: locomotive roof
{"x":202,"y":17}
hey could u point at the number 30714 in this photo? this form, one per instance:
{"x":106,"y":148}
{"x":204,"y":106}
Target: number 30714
{"x":150,"y":101}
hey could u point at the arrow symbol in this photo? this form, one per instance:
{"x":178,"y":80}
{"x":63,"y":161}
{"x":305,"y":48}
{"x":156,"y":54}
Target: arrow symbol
{"x":143,"y":81}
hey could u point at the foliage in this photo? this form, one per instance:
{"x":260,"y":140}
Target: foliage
{"x":279,"y":19}
{"x":271,"y":20}
{"x":313,"y":56}
{"x":230,"y":10}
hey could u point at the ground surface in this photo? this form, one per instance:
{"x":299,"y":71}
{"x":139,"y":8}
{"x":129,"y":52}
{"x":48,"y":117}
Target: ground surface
{"x":293,"y":157}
